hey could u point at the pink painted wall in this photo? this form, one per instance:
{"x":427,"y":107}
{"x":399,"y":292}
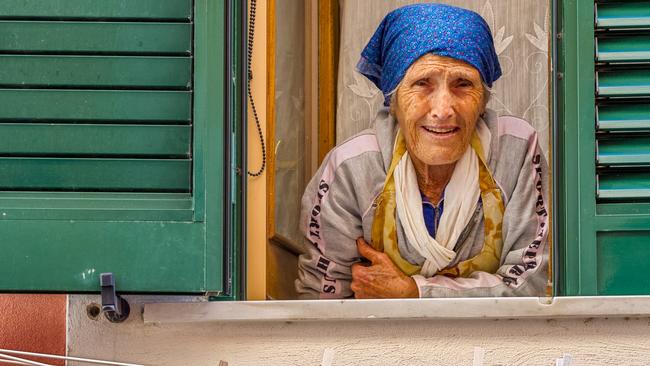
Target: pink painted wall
{"x":34,"y":323}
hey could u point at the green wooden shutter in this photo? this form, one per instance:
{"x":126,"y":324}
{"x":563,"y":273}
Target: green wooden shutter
{"x":113,"y":139}
{"x":606,"y":147}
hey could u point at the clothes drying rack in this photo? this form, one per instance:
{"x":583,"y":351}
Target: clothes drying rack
{"x":16,"y":358}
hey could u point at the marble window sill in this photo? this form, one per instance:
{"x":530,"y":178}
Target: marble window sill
{"x":355,"y":310}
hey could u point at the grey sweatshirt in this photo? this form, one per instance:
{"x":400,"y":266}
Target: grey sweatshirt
{"x":338,"y":207}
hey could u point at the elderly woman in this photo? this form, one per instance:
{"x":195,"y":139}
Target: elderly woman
{"x":440,"y":198}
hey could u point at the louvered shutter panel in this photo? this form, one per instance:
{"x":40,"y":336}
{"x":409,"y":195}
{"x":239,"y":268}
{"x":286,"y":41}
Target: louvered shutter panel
{"x":623,"y":113}
{"x":608,"y":247}
{"x":111,"y":142}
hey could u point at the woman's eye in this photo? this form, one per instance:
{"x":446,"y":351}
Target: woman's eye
{"x":464,"y":83}
{"x":421,"y":82}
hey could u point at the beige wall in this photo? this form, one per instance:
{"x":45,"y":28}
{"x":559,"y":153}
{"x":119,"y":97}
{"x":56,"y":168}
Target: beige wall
{"x":522,"y":342}
{"x":256,"y":287}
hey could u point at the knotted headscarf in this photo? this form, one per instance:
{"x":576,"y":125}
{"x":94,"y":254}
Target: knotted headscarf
{"x":409,"y":32}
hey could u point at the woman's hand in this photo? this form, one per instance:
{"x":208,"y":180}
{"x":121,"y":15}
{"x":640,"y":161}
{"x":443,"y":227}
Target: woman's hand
{"x":381,"y":279}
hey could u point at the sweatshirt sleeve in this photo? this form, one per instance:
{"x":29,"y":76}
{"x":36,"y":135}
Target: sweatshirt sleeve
{"x":331,"y":221}
{"x":524,"y":261}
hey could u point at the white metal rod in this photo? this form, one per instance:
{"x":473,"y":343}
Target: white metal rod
{"x":78,"y":359}
{"x":22,"y":360}
{"x":2,"y":361}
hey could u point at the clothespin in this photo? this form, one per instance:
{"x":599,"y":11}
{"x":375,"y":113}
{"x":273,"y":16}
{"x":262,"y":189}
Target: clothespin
{"x":223,"y":363}
{"x":479,"y":355}
{"x":328,"y":357}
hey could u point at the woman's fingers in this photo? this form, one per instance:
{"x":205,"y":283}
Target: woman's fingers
{"x":368,"y":252}
{"x":358,"y":284}
{"x":356,"y":270}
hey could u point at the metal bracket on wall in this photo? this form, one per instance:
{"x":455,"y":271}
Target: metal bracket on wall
{"x":115,"y":308}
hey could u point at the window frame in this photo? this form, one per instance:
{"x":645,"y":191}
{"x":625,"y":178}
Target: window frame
{"x":328,"y":60}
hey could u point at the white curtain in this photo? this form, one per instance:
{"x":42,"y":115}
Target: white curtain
{"x":521,"y":31}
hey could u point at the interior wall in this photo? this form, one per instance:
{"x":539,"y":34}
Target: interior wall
{"x":256,"y":206}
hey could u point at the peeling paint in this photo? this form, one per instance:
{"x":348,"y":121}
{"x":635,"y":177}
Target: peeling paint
{"x":87,"y":274}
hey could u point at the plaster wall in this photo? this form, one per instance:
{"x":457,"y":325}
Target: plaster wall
{"x":616,"y":341}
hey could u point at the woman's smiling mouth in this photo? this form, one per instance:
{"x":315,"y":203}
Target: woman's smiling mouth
{"x":442,"y":131}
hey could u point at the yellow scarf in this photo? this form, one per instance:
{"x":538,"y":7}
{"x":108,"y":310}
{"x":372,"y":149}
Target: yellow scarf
{"x":384,"y":232}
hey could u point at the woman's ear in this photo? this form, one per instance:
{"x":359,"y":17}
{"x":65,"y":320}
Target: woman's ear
{"x":486,"y":98}
{"x":393,"y":104}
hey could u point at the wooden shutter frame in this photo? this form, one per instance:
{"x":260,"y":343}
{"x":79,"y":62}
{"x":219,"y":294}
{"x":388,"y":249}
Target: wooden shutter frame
{"x":588,"y":228}
{"x":59,"y":242}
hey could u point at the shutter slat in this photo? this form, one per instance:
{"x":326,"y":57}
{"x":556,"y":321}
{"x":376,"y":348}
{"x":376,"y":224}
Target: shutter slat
{"x":35,"y":200}
{"x":124,"y":9}
{"x":630,"y":14}
{"x":67,"y":139}
{"x":623,"y":49}
{"x":94,"y":174}
{"x":88,"y":105}
{"x":126,"y":206}
{"x":623,"y":83}
{"x":624,"y":151}
{"x":95,"y":37}
{"x":624,"y":185}
{"x":96,"y":71}
{"x":622,"y":117}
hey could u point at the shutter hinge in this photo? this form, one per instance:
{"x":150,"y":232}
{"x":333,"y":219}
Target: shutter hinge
{"x":115,"y":308}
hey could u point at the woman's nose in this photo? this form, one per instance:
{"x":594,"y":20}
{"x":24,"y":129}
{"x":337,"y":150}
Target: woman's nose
{"x":441,"y":106}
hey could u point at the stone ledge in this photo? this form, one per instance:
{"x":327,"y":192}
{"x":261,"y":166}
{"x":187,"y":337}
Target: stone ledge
{"x":348,"y":310}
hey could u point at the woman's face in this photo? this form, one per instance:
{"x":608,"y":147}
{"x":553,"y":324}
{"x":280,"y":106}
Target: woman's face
{"x":437,"y":105}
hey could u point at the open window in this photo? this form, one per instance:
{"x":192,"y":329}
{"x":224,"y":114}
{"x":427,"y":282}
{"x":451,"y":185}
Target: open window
{"x":316,"y":46}
{"x":578,"y":72}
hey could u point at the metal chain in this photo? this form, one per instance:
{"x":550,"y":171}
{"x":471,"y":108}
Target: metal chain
{"x":249,"y":71}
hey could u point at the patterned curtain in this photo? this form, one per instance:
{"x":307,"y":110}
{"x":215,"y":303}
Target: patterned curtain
{"x":521,"y":31}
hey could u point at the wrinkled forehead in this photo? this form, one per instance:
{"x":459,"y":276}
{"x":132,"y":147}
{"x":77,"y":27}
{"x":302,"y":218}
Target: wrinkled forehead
{"x":433,"y":64}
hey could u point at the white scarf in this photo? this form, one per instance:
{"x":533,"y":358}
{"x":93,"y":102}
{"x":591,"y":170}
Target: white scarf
{"x":461,"y":198}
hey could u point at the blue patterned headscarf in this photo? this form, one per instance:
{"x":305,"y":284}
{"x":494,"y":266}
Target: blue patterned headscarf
{"x":412,"y":31}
